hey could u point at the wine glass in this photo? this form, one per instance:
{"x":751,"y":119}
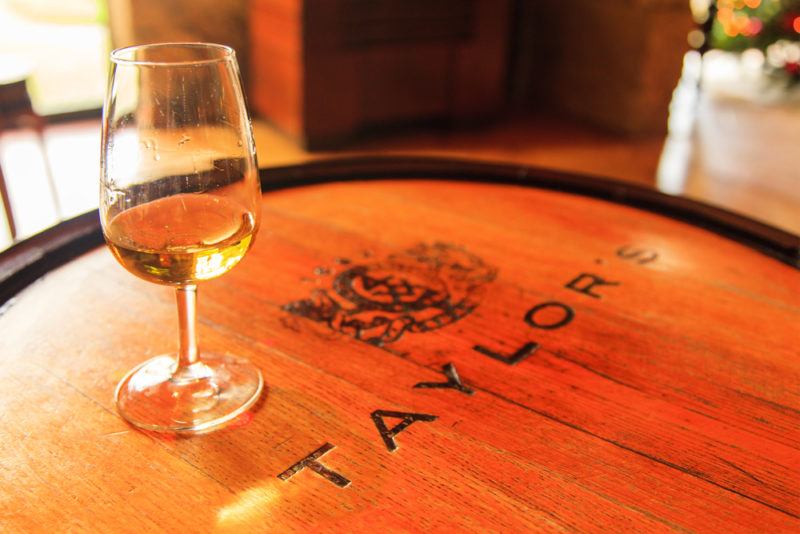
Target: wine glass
{"x":179,"y":204}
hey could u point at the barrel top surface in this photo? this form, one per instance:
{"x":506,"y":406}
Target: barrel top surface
{"x":470,"y":356}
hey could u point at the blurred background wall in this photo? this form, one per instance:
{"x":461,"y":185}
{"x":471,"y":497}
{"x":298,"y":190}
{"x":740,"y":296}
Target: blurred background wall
{"x":614,"y":64}
{"x":151,"y":21}
{"x":400,"y":62}
{"x":695,"y":97}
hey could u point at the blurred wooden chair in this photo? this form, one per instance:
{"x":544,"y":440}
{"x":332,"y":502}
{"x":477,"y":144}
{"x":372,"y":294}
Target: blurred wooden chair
{"x":16,"y":111}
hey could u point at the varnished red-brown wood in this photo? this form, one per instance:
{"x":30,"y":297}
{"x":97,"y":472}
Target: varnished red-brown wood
{"x":669,"y":403}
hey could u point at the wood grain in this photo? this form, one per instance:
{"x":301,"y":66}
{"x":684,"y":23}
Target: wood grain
{"x":667,"y":402}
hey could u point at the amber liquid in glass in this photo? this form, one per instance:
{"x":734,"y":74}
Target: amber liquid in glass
{"x":181,"y":239}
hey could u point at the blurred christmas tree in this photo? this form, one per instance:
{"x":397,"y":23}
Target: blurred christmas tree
{"x":772,"y":26}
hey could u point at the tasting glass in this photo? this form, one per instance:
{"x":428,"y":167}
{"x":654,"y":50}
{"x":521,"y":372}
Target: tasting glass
{"x":179,"y":204}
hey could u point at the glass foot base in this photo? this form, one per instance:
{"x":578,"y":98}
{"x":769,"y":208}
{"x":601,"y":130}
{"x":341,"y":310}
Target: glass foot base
{"x":203,"y":397}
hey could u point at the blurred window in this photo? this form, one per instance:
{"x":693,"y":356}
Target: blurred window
{"x":63,"y":45}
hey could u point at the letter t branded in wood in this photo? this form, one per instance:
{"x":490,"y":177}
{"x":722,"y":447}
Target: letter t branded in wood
{"x":311,"y":462}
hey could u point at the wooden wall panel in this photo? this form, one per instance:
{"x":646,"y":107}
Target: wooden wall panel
{"x":365,"y":65}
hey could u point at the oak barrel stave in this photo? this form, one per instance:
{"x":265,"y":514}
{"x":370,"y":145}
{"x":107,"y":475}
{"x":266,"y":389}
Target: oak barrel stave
{"x":721,"y":346}
{"x":225,"y":457}
{"x":668,"y":403}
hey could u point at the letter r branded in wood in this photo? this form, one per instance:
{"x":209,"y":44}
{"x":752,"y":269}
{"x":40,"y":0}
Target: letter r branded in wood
{"x":584,"y":283}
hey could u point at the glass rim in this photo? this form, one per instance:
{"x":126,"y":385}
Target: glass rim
{"x":117,"y":56}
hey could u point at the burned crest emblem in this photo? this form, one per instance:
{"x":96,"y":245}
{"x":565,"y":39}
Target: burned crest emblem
{"x":420,"y":289}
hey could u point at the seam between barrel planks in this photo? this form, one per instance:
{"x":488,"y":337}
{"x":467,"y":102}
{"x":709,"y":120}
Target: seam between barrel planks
{"x":254,"y":341}
{"x":693,"y":473}
{"x":169,"y":451}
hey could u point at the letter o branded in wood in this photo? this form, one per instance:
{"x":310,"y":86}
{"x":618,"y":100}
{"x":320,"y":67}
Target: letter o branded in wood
{"x":568,"y":315}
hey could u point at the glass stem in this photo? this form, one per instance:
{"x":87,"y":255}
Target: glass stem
{"x":187,"y":326}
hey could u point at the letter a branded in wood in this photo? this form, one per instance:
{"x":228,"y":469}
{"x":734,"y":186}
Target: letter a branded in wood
{"x":388,"y":434}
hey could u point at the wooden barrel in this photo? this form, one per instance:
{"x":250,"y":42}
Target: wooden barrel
{"x":446,"y":346}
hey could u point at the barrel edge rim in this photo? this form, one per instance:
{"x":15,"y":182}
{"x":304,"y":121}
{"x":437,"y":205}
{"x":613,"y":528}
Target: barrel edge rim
{"x":30,"y":259}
